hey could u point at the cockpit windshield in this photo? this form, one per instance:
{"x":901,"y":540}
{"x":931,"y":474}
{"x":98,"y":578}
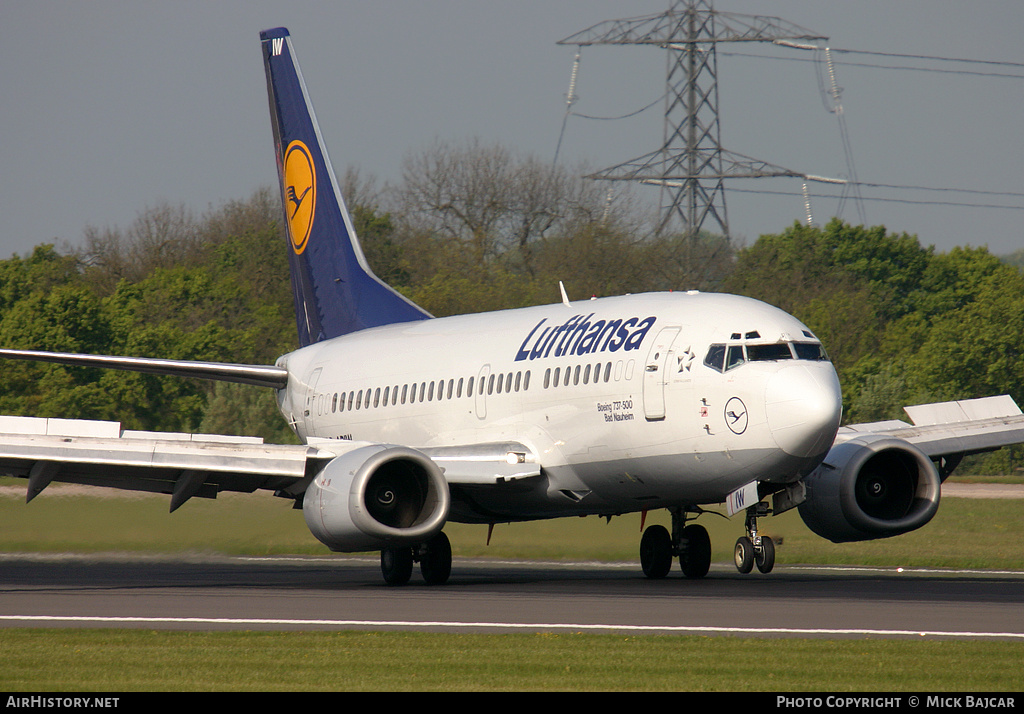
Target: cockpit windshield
{"x":722,"y":358}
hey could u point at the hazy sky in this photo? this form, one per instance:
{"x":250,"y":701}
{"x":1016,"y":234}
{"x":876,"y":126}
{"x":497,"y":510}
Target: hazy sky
{"x":110,"y":107}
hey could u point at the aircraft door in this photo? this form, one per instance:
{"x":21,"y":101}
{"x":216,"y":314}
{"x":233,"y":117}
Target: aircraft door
{"x":656,"y":374}
{"x":481,"y":395}
{"x":310,"y":410}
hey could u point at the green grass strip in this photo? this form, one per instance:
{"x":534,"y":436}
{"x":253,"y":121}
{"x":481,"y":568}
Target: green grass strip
{"x":966,"y":533}
{"x":140,"y":660}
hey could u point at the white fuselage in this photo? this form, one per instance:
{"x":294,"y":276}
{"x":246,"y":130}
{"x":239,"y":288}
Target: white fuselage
{"x":614,"y":397}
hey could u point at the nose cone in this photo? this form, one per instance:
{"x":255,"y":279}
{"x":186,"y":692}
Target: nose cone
{"x":804,"y":405}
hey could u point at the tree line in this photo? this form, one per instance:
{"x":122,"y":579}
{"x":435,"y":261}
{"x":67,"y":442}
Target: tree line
{"x":472,"y":228}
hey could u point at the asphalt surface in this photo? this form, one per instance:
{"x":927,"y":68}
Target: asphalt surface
{"x":333,"y":593}
{"x":484,"y":596}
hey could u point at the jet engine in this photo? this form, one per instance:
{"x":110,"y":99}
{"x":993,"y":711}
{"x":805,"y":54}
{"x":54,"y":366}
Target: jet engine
{"x":871,"y":487}
{"x":376,"y":496}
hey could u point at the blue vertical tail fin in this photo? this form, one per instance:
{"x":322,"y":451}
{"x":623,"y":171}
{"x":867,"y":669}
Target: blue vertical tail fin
{"x":334,"y":288}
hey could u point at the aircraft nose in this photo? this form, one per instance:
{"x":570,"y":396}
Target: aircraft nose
{"x":804,"y":405}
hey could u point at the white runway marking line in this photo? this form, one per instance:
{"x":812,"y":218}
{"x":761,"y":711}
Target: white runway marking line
{"x":507,"y":625}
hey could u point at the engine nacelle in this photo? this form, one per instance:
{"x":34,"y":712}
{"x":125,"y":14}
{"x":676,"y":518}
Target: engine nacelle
{"x":871,"y":487}
{"x":376,"y":496}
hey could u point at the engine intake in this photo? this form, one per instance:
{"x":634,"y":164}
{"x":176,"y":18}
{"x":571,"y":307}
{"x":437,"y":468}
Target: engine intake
{"x":375,"y":496}
{"x":871,"y":487}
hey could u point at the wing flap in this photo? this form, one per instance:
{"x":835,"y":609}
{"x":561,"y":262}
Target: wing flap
{"x":963,"y":410}
{"x":946,"y":428}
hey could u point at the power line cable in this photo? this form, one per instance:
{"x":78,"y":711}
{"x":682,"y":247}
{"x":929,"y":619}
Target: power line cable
{"x":917,"y":202}
{"x":624,"y":116}
{"x":982,"y":192}
{"x":937,"y":70}
{"x":1001,"y":63}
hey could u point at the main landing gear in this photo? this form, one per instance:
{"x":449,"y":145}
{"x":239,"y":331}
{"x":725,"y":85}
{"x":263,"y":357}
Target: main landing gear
{"x":752,"y":548}
{"x":693,"y":547}
{"x":434,"y":557}
{"x":690,"y":543}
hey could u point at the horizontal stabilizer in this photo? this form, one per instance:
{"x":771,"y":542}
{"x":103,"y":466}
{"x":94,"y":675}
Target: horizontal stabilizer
{"x":259,"y":375}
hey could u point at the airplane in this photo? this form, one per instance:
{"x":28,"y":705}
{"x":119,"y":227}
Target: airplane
{"x":682,"y":401}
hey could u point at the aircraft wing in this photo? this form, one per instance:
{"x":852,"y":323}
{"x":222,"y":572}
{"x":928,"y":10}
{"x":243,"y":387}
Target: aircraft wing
{"x":950,"y":428}
{"x":100,"y":453}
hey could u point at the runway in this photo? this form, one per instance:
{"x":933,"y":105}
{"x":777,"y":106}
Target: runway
{"x":488,"y":596}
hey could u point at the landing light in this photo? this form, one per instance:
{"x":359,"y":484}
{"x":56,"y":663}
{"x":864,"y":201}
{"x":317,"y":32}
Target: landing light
{"x":512,"y":458}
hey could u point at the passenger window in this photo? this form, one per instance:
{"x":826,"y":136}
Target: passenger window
{"x":526,"y":380}
{"x":469,"y":388}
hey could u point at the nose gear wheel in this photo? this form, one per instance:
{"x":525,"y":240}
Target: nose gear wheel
{"x":753,"y":548}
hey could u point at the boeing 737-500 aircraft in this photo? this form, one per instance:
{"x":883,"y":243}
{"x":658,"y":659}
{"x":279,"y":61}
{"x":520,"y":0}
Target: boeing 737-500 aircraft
{"x":676,"y":401}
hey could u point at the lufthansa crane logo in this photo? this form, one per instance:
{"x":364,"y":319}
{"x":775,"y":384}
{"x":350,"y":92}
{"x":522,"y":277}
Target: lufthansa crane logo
{"x":736,"y":415}
{"x":300,"y":193}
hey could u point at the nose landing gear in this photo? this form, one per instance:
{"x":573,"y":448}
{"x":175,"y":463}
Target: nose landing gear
{"x":754,"y":549}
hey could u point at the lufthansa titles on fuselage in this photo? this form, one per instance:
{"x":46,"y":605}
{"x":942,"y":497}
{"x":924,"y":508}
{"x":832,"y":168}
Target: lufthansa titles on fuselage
{"x":580,"y":336}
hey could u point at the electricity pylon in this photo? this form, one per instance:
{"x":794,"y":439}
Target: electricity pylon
{"x":691,"y":166}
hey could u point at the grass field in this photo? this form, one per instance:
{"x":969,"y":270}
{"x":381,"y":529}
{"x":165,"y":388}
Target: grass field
{"x":966,"y":533}
{"x":132,"y":660}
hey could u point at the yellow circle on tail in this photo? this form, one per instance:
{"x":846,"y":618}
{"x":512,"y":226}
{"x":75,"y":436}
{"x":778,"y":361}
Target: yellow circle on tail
{"x":299,"y":193}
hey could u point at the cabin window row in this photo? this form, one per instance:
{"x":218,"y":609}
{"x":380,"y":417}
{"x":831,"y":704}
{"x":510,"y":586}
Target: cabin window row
{"x":586,"y":373}
{"x":440,"y":390}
